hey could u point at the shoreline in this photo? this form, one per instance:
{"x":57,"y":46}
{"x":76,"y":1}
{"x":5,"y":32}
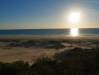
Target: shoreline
{"x":32,"y":37}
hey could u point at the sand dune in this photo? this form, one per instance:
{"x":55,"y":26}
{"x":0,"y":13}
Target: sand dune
{"x":25,"y":54}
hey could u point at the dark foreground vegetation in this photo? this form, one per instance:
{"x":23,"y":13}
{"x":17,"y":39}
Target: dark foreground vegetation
{"x":72,"y":62}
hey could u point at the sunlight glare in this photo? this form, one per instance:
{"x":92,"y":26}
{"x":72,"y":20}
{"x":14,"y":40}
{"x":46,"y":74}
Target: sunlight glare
{"x":74,"y":32}
{"x":74,"y":17}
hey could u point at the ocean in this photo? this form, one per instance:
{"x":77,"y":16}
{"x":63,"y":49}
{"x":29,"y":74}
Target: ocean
{"x":42,"y":32}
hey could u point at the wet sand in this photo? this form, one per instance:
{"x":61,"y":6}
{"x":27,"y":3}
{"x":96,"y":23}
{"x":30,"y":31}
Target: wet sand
{"x":30,"y":37}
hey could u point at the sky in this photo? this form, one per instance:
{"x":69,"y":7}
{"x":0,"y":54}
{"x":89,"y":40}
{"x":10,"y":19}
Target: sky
{"x":41,"y":14}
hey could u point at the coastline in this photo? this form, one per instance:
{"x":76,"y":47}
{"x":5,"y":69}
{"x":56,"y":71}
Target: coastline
{"x":53,"y":37}
{"x":30,"y":48}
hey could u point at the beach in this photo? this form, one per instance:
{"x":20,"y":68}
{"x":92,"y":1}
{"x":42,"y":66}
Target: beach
{"x":31,"y":48}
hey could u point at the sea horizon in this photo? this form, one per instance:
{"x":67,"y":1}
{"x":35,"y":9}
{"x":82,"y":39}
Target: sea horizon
{"x":49,"y":32}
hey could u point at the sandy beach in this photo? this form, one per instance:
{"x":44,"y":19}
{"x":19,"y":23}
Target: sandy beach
{"x":30,"y":49}
{"x":64,"y":37}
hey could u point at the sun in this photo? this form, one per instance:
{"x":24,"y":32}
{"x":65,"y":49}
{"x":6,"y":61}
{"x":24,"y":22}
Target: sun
{"x":74,"y":17}
{"x":74,"y":32}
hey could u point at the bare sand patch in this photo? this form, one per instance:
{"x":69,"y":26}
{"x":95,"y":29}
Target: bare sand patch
{"x":23,"y":54}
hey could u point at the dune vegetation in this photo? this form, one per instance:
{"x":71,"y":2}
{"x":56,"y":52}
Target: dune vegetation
{"x":76,"y":61}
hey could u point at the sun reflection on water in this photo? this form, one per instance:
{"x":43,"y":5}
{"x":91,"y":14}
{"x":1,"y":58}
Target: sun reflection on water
{"x":74,"y":32}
